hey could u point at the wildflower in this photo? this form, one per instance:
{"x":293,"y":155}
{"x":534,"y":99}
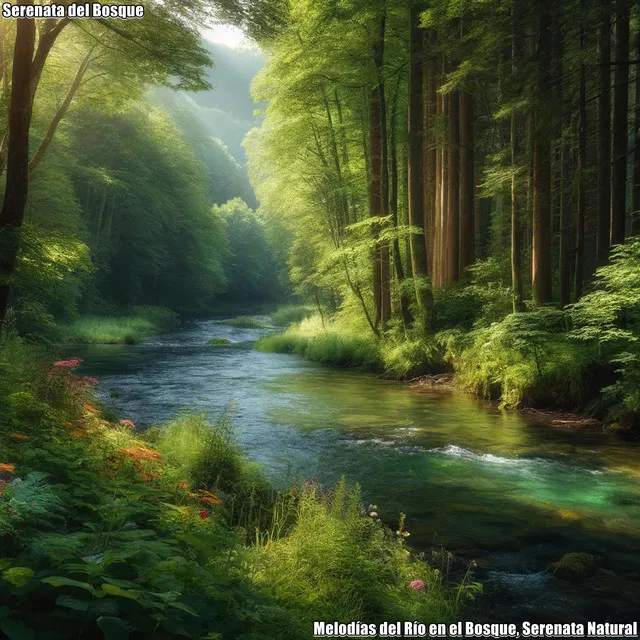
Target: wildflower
{"x":203,"y":514}
{"x":418,"y":585}
{"x":7,"y":468}
{"x":141,"y":453}
{"x":211,"y":500}
{"x":128,"y":424}
{"x":405,"y":534}
{"x":68,"y":364}
{"x":183,"y":485}
{"x":19,"y":436}
{"x":373,"y":514}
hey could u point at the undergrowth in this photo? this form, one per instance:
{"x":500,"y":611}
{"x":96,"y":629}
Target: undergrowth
{"x":108,"y":532}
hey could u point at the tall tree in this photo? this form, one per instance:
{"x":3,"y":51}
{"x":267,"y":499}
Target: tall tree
{"x":516,"y":133}
{"x":17,"y":189}
{"x":453,"y":161}
{"x":620,"y":124}
{"x":604,"y":134}
{"x":416,"y":199}
{"x":541,"y":263}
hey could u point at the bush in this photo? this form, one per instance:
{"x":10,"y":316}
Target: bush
{"x":174,"y":532}
{"x":338,"y":562}
{"x":608,"y":319}
{"x":527,"y":358}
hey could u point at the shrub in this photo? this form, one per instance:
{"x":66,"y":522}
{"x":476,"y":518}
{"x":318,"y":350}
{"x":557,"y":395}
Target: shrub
{"x":524,"y":359}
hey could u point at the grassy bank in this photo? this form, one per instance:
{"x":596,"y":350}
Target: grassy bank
{"x":140,"y":323}
{"x":582,"y":358}
{"x":110,"y":533}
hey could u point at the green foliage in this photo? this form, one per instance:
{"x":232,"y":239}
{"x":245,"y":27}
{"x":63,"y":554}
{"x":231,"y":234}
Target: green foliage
{"x":118,"y":330}
{"x":108,"y":533}
{"x":357,"y":568}
{"x":218,"y":342}
{"x":332,"y":345}
{"x":524,"y":359}
{"x":244,"y":323}
{"x":608,"y":318}
{"x":291,"y":314}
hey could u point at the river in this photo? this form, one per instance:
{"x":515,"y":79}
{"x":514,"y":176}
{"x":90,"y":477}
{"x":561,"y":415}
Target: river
{"x":484,"y":484}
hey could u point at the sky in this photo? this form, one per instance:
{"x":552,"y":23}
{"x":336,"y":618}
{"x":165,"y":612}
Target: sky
{"x":227,"y":35}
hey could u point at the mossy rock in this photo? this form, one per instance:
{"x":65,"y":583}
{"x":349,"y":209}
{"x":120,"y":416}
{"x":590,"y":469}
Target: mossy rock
{"x":575,"y":566}
{"x":218,"y":342}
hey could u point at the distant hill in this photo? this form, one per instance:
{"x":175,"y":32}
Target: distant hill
{"x":215,"y":122}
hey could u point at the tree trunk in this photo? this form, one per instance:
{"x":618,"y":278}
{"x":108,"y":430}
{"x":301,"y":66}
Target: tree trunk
{"x":541,"y":263}
{"x":17,"y":188}
{"x":467,"y":224}
{"x":620,"y":124}
{"x":416,"y":171}
{"x":516,"y":201}
{"x":453,"y":215}
{"x":582,"y":154}
{"x":60,"y":113}
{"x":604,"y":136}
{"x":393,"y":208}
{"x":636,"y":146}
{"x":378,"y":196}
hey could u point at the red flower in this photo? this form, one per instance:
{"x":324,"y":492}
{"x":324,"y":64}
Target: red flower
{"x":203,"y":514}
{"x":68,"y":364}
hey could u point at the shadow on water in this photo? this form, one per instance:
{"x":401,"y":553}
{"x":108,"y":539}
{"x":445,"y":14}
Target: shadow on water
{"x":483,"y":483}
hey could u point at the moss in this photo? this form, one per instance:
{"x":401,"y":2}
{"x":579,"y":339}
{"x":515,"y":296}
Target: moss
{"x":574,"y":566}
{"x":218,"y":342}
{"x":244,"y":323}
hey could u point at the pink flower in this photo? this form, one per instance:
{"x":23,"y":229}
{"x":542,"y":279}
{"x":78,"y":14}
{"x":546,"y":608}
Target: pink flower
{"x":417,"y":585}
{"x":128,"y":424}
{"x":68,"y":364}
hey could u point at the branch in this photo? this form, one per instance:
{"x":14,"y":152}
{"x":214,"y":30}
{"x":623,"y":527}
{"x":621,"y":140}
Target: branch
{"x":60,"y":113}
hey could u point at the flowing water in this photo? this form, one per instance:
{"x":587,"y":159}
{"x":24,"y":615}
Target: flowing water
{"x":484,"y":484}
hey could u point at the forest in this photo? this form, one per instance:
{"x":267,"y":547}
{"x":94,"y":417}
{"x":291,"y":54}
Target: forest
{"x":410,"y":226}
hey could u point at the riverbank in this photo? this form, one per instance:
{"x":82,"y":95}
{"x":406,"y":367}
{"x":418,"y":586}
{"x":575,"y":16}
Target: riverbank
{"x":128,"y":328}
{"x":109,"y":531}
{"x":552,"y":372}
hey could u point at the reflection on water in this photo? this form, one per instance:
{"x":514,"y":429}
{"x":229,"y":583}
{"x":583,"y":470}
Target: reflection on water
{"x":484,"y":483}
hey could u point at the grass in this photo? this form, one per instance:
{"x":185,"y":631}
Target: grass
{"x":244,"y":322}
{"x":109,"y":532}
{"x":291,"y":314}
{"x":126,"y":329}
{"x":328,"y":346}
{"x":218,"y":342}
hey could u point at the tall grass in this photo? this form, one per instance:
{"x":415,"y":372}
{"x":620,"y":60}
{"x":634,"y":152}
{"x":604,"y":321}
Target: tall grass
{"x":291,"y":314}
{"x":175,"y":530}
{"x":330,"y":346}
{"x":127,"y":329}
{"x":244,"y":322}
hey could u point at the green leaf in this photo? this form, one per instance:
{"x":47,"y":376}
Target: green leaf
{"x":18,"y":576}
{"x":113,"y":590}
{"x":72,"y":603}
{"x":185,"y":607}
{"x":113,"y":628}
{"x":15,"y":630}
{"x":60,"y":581}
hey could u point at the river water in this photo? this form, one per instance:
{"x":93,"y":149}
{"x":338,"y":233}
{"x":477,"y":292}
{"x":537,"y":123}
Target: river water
{"x":484,"y":484}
